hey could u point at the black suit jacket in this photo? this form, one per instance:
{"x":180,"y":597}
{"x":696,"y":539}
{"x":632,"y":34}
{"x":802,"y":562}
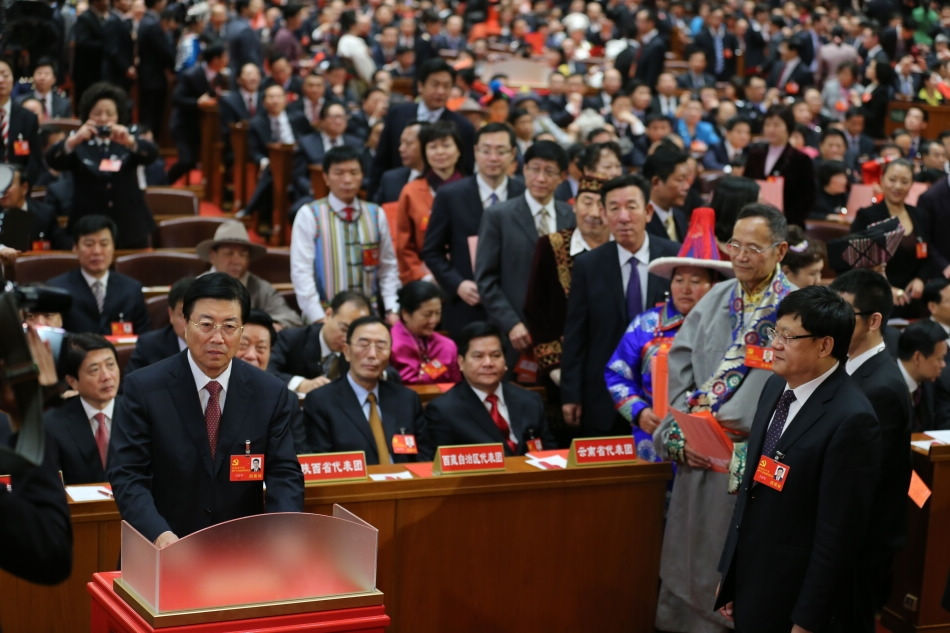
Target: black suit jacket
{"x":118,"y":51}
{"x":655,"y":225}
{"x":650,"y":60}
{"x":185,"y":120}
{"x":933,"y":209}
{"x":334,"y":421}
{"x":789,"y":554}
{"x":123,"y":296}
{"x":260,"y":135}
{"x":796,"y":168}
{"x":160,"y":464}
{"x":459,"y":417}
{"x":156,"y":54}
{"x":62,"y":106}
{"x":687,"y":81}
{"x":24,"y":127}
{"x":563,"y":192}
{"x":297,"y":353}
{"x":115,"y":194}
{"x":46,"y":224}
{"x":391,"y":183}
{"x":398,"y":117}
{"x":456,"y":214}
{"x":152,"y":347}
{"x":74,"y":446}
{"x":800,"y":75}
{"x":596,"y":319}
{"x":87,"y":61}
{"x":244,"y":46}
{"x":704,"y":39}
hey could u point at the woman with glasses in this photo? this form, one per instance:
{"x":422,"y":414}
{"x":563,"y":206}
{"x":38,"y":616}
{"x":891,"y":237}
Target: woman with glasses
{"x":420,"y":354}
{"x":441,"y":150}
{"x":911,"y":263}
{"x":629,"y":374}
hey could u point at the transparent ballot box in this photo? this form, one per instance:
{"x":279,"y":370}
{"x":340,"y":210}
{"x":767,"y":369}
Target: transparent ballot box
{"x":262,"y":564}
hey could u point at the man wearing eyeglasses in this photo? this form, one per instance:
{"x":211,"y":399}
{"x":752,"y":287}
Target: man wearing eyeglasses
{"x":186,"y":420}
{"x":813,"y":422}
{"x":712,"y":367}
{"x":363,"y":413}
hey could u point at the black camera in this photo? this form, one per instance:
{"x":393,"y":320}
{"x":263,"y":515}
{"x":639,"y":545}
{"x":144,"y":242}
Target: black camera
{"x":39,"y":298}
{"x":105,"y":131}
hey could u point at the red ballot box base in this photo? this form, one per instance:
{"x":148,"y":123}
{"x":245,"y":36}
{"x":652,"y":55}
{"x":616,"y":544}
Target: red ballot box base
{"x":112,"y":614}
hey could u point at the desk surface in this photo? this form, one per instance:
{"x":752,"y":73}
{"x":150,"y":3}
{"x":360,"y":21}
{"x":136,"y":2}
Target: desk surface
{"x":521,"y":550}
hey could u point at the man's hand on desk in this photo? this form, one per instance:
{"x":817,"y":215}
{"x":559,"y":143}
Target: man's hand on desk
{"x":165,"y":539}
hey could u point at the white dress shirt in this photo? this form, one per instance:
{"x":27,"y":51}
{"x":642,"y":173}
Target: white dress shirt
{"x":802,"y":393}
{"x":502,"y":408}
{"x":853,"y":364}
{"x":202,"y":379}
{"x":485,"y":191}
{"x":91,"y":411}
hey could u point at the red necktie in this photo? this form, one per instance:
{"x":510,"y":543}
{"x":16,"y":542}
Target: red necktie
{"x":213,"y":414}
{"x":4,"y":128}
{"x":102,"y":437}
{"x":501,"y":422}
{"x":348,"y":212}
{"x":250,"y":105}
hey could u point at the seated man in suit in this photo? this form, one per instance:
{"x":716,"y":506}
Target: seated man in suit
{"x":921,"y":352}
{"x":815,"y":424}
{"x":100,"y":296}
{"x":257,"y":339}
{"x":311,"y":103}
{"x":20,"y":144}
{"x":732,"y":147}
{"x":243,"y":103}
{"x":696,"y":76}
{"x":157,"y":345}
{"x":507,"y":237}
{"x":312,"y":356}
{"x":231,"y":251}
{"x":56,"y":105}
{"x":79,"y":429}
{"x":410,"y":156}
{"x":610,"y":285}
{"x":184,"y":419}
{"x":667,"y":169}
{"x":362,"y":412}
{"x":329,"y":134}
{"x":45,"y":226}
{"x":483,"y":408}
{"x":342,"y":243}
{"x":373,"y":110}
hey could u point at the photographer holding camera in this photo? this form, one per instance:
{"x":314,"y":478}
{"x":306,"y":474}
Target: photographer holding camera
{"x":103,"y":156}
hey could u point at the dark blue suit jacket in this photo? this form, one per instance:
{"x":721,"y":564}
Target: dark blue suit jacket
{"x":459,"y":417}
{"x":334,"y":420}
{"x":390,"y":184}
{"x":74,"y":446}
{"x":123,"y":297}
{"x":160,"y":464}
{"x":152,"y":347}
{"x":596,"y":319}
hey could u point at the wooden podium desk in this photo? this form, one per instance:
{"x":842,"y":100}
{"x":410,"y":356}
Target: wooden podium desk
{"x":523,"y":550}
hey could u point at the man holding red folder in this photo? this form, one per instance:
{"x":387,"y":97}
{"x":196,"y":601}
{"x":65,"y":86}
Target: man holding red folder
{"x":800,"y":530}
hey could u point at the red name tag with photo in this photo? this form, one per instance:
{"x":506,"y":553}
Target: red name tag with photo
{"x":534,"y":444}
{"x":370,"y":257}
{"x":468,"y":458}
{"x":771,"y":473}
{"x":759,"y":357}
{"x":405,"y":444}
{"x":433,"y":369}
{"x":121,"y":328}
{"x":41,"y":245}
{"x":601,"y":450}
{"x":324,"y":467}
{"x":247,"y":467}
{"x":7,"y":480}
{"x":110,"y":165}
{"x":21,"y":148}
{"x":921,"y":250}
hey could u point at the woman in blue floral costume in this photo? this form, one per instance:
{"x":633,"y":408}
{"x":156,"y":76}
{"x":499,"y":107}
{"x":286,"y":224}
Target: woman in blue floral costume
{"x":628,"y":373}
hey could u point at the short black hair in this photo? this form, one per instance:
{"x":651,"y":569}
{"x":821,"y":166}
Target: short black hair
{"x":291,"y":10}
{"x":360,"y":322}
{"x":626,"y":180}
{"x":474,"y":330}
{"x":217,"y":286}
{"x":547,"y":150}
{"x":854,"y":111}
{"x":432,"y":66}
{"x":656,"y":116}
{"x":45,"y":61}
{"x":663,"y":162}
{"x":261,"y":318}
{"x":778,"y":225}
{"x":437,"y":131}
{"x":494,"y":128}
{"x":822,"y":312}
{"x":826,"y":169}
{"x":100,"y":91}
{"x":213,"y":50}
{"x":920,"y":336}
{"x":415,"y":293}
{"x":347,"y":20}
{"x":933,"y":288}
{"x":340,"y":154}
{"x":176,"y":293}
{"x":349,"y":296}
{"x":590,"y":156}
{"x":737,"y":120}
{"x":782,"y":112}
{"x":833,"y":131}
{"x":77,"y":346}
{"x":731,"y":194}
{"x":329,"y":103}
{"x":89,"y":224}
{"x":871,"y":290}
{"x":901,"y":162}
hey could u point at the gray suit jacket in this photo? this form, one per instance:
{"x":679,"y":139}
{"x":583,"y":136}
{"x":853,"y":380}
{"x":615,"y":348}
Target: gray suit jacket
{"x":506,"y":240}
{"x":265,"y":297}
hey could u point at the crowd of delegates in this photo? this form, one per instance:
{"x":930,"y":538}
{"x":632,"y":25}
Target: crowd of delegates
{"x":564,"y":236}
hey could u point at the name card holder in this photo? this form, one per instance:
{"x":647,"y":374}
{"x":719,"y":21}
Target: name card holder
{"x":320,"y":468}
{"x":468,"y":458}
{"x":601,"y":451}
